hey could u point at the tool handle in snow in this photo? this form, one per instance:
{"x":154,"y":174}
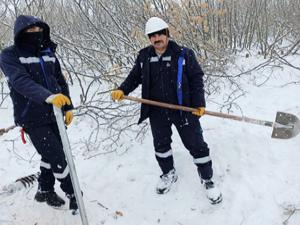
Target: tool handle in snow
{"x":5,"y":130}
{"x":69,"y":158}
{"x":21,"y":183}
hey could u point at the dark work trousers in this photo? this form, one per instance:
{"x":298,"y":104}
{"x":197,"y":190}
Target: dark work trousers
{"x":47,"y":141}
{"x":190,"y":132}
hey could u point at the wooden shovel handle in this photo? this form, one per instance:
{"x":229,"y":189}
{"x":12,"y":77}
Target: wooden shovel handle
{"x":189,"y":109}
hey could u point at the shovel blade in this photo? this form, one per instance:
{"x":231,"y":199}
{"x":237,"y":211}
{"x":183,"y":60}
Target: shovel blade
{"x":286,"y":126}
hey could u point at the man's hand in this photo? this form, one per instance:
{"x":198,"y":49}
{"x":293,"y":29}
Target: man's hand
{"x":68,"y":117}
{"x":117,"y":95}
{"x":200,"y":111}
{"x":58,"y":100}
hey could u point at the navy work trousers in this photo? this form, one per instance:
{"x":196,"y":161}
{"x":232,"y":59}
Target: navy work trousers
{"x":47,"y":141}
{"x":190,"y":132}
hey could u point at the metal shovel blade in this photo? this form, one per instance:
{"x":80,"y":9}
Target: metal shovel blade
{"x":285,"y":126}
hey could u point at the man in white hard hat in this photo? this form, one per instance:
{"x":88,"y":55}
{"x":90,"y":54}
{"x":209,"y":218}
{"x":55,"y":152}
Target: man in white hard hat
{"x":170,"y":73}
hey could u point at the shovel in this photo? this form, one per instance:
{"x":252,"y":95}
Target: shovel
{"x":286,"y":125}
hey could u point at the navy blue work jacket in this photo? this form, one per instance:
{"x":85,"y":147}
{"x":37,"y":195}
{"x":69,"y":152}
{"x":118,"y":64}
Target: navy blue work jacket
{"x":33,"y":75}
{"x":158,"y":76}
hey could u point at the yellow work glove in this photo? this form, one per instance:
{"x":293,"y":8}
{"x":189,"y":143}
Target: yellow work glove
{"x":59,"y":100}
{"x":68,"y":117}
{"x":117,"y":95}
{"x":200,"y":111}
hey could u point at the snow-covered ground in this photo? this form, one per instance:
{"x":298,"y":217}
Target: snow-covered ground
{"x":259,"y":176}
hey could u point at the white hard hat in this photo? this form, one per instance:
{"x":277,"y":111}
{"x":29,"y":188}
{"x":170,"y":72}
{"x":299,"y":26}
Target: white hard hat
{"x":155,"y":24}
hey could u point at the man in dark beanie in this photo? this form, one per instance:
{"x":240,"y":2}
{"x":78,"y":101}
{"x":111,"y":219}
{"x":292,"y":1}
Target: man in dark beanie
{"x":36,"y":83}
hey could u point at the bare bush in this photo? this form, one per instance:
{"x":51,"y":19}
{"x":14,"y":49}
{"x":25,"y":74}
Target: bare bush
{"x":99,"y":40}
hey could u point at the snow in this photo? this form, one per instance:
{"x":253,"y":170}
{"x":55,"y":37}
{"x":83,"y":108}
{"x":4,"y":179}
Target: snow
{"x":259,"y":176}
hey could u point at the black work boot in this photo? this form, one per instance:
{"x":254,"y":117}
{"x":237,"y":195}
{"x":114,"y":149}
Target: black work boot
{"x":50,"y":197}
{"x":73,"y":203}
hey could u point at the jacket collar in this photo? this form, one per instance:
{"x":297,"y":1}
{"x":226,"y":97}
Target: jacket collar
{"x":172,"y":47}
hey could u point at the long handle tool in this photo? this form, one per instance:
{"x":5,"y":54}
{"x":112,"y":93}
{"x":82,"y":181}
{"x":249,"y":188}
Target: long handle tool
{"x":69,"y":158}
{"x":286,"y":125}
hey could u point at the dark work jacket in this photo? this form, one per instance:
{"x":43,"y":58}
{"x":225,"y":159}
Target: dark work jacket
{"x":158,"y":76}
{"x":33,"y":75}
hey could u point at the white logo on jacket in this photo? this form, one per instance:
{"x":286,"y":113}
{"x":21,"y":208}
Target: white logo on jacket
{"x":29,"y":60}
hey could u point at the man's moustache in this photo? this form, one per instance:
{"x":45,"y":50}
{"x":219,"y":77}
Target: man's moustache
{"x":156,"y":42}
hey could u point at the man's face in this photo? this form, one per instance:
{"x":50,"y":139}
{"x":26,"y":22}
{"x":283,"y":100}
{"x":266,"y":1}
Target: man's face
{"x":159,"y":40}
{"x":34,"y":29}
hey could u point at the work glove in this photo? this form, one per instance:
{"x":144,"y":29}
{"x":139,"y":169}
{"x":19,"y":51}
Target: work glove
{"x":200,"y":111}
{"x":117,"y":95}
{"x":58,"y":100}
{"x":68,"y":117}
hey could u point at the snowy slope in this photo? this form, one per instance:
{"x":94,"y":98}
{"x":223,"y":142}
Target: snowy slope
{"x":259,"y":176}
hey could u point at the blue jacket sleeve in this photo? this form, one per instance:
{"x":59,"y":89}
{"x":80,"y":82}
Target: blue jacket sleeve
{"x":195,"y":75}
{"x":63,"y":84}
{"x":20,"y":80}
{"x":133,"y":79}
